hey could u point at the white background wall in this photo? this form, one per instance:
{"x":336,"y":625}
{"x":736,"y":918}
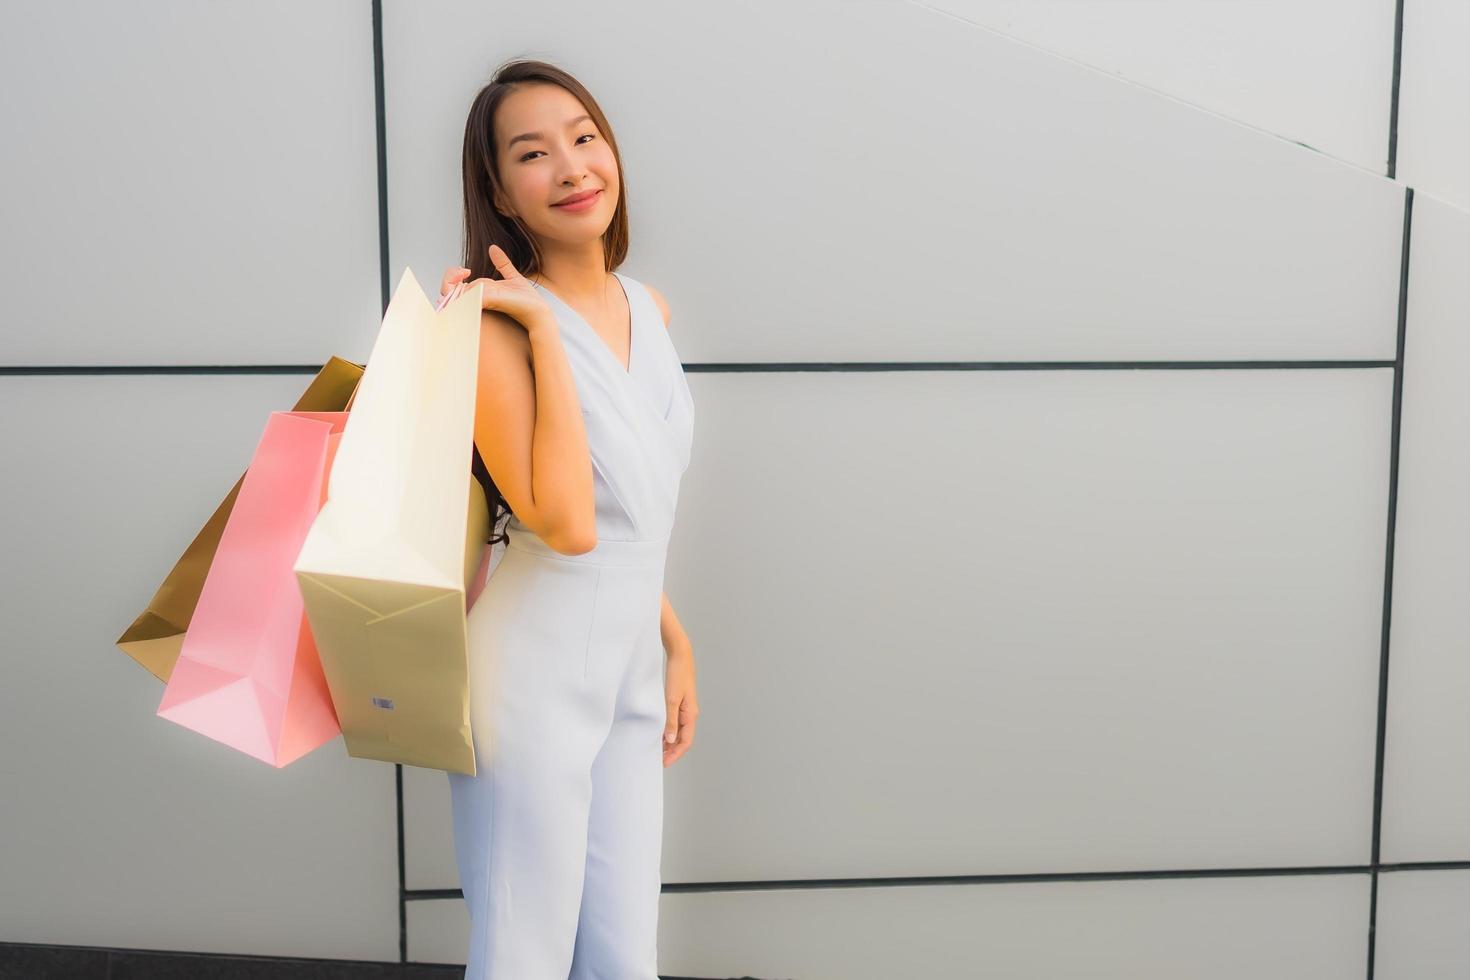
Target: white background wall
{"x":1110,"y":610}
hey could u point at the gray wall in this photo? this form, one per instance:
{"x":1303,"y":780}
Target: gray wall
{"x":1111,"y":592}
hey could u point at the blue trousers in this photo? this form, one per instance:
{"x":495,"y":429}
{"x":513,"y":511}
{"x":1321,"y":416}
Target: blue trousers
{"x":558,"y":836}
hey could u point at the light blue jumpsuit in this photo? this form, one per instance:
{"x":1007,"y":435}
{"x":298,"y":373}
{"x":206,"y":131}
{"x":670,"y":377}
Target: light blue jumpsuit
{"x":559,"y":835}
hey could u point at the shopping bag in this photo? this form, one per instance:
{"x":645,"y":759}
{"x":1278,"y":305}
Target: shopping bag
{"x":248,"y":674}
{"x":155,"y":636}
{"x":385,"y":567}
{"x":488,"y":560}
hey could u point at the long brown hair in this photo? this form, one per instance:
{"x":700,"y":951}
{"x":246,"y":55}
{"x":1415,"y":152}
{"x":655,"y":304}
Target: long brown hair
{"x":485,"y":226}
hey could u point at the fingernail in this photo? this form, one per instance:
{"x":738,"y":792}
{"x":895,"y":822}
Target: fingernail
{"x":668,"y":736}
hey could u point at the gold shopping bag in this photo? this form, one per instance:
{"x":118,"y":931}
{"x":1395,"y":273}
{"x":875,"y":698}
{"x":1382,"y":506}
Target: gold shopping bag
{"x":157,"y":634}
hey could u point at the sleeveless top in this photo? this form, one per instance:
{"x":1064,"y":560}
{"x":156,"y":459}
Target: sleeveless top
{"x":639,"y":421}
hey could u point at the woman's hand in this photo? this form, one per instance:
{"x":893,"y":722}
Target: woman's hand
{"x":681,"y":703}
{"x":453,"y":276}
{"x":512,"y":294}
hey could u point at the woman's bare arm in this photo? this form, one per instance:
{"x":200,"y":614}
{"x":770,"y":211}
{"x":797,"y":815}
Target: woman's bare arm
{"x":675,"y":640}
{"x":671,"y":631}
{"x":529,"y":430}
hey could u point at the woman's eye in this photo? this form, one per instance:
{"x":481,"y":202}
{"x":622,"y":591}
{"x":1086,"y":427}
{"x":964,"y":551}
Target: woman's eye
{"x":534,"y":152}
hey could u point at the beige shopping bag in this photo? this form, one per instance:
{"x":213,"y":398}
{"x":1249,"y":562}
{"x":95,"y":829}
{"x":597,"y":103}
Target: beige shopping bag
{"x":385,"y":567}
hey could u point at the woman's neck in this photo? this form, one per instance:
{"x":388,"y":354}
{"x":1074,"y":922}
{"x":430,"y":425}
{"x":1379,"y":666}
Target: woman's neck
{"x":579,"y":276}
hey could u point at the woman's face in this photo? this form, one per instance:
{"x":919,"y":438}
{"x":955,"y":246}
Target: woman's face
{"x":549,"y":149}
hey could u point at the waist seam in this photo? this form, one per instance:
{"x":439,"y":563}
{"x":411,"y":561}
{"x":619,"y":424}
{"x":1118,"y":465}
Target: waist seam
{"x":640,"y":553}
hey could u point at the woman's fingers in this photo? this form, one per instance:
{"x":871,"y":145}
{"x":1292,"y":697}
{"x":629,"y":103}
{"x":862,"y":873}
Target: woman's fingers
{"x":686,"y":721}
{"x":672,"y":752}
{"x":490,"y":286}
{"x":512,"y":294}
{"x":502,"y":263}
{"x":453,"y":276}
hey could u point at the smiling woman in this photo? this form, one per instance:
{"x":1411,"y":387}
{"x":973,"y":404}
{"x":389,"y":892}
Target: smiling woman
{"x":520,"y":195}
{"x":581,"y":680}
{"x":495,"y":196}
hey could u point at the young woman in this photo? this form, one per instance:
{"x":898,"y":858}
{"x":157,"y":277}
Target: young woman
{"x":581,"y":678}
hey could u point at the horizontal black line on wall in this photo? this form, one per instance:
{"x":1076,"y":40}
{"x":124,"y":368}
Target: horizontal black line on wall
{"x":761,"y":367}
{"x":429,"y":894}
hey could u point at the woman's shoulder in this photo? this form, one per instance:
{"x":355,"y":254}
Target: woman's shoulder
{"x":654,"y":294}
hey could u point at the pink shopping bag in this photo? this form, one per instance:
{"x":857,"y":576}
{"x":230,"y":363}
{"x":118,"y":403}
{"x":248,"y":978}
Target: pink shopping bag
{"x":248,"y":674}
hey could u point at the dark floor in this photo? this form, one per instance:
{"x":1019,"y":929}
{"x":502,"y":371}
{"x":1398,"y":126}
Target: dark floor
{"x":26,"y":961}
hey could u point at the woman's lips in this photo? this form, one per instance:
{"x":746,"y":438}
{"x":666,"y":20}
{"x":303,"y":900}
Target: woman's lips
{"x":583,"y":204}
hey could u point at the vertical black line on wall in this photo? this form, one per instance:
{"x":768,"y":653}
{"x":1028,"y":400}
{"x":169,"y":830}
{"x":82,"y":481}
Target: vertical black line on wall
{"x":380,"y":111}
{"x":1387,"y":616}
{"x":380,"y":114}
{"x":1393,"y":94}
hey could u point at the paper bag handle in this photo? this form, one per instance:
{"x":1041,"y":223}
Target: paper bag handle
{"x":443,"y":302}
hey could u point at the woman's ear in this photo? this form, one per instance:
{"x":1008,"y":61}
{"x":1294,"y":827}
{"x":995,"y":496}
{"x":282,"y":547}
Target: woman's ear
{"x":500,"y":205}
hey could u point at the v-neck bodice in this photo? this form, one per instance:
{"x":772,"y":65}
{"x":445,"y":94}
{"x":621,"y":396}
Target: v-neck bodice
{"x":639,"y":418}
{"x":566,"y":307}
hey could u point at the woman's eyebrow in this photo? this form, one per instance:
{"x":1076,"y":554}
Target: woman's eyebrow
{"x":536,"y":136}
